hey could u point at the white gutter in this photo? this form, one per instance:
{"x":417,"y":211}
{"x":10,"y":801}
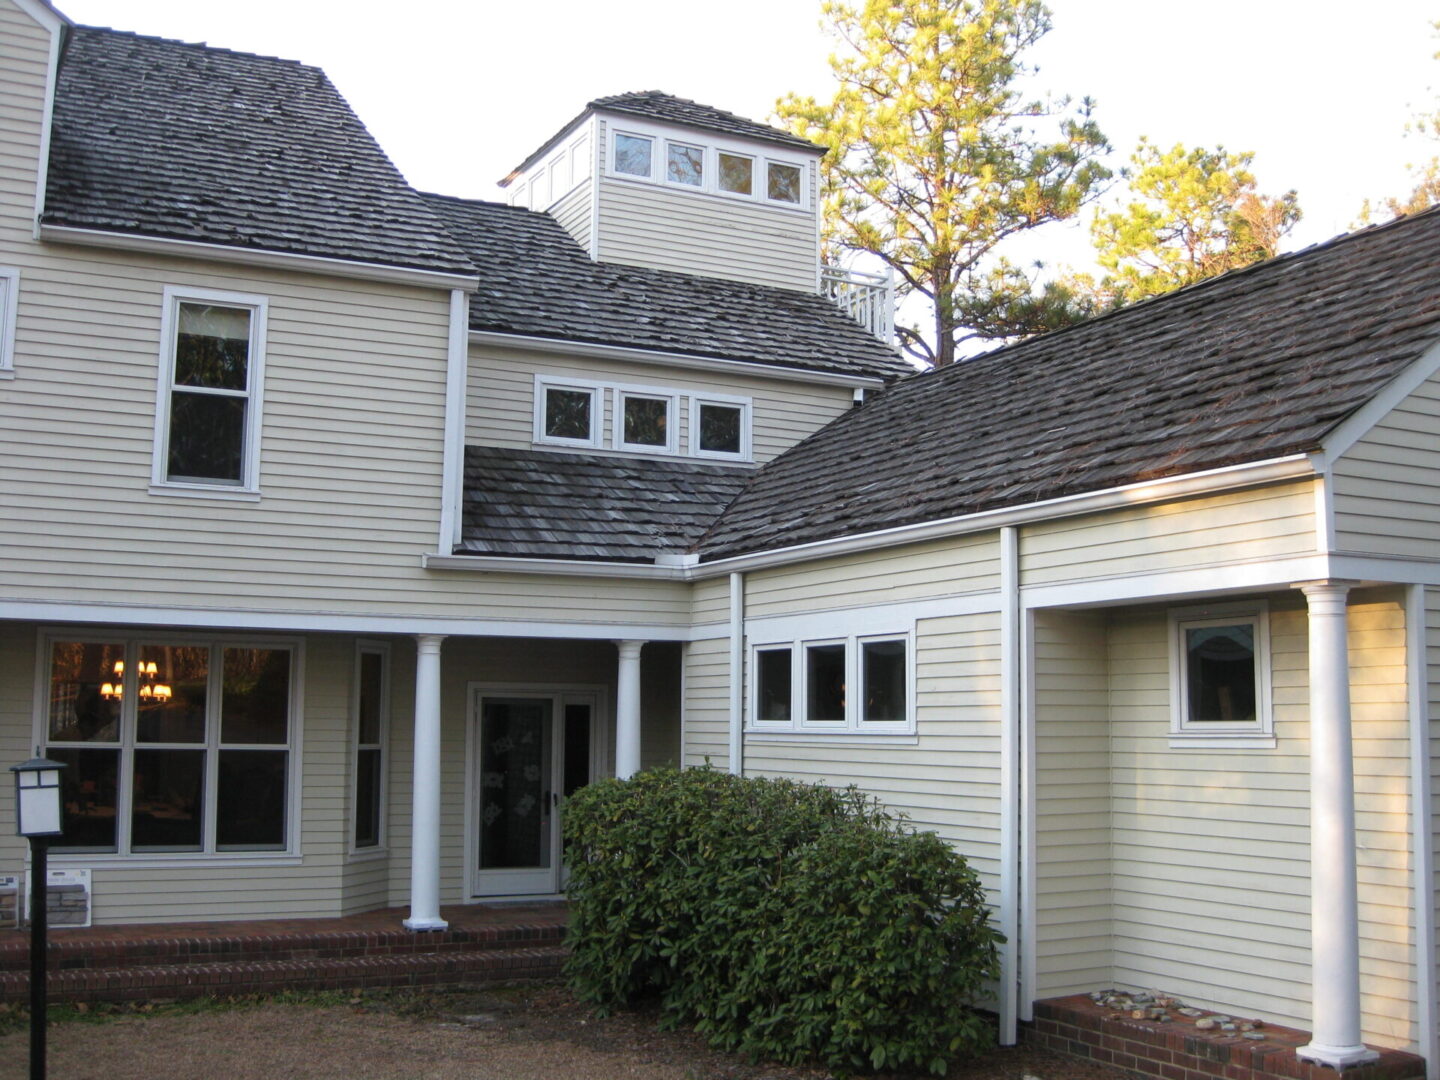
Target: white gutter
{"x":452,"y":481}
{"x":737,"y":674}
{"x":493,"y":564}
{"x":1421,"y":829}
{"x":1010,"y":817}
{"x":1229,"y":478}
{"x":279,"y":260}
{"x":653,"y":356}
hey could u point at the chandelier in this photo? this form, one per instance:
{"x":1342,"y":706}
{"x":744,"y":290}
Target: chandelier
{"x":151,"y":692}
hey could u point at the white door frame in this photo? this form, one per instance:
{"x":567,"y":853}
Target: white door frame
{"x":600,"y":727}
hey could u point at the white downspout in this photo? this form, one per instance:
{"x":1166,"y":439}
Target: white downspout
{"x":1421,"y":827}
{"x":1010,"y":727}
{"x":737,"y":673}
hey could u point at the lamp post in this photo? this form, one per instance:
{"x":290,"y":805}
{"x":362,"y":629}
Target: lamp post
{"x":38,"y":817}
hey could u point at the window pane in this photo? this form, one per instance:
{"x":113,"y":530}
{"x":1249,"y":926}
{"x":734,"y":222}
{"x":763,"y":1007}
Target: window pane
{"x":685,"y":165}
{"x":784,"y":183}
{"x":86,"y":683}
{"x":212,"y":347}
{"x":250,"y":802}
{"x":255,"y":705}
{"x":567,"y":414}
{"x":372,"y":683}
{"x":168,"y":803}
{"x":575,"y":766}
{"x":632,"y":155}
{"x":720,"y":428}
{"x":645,"y":421}
{"x":1221,"y":673}
{"x":825,"y":683}
{"x":171,"y":693}
{"x":367,"y":798}
{"x":736,"y":174}
{"x":884,"y":676}
{"x":773,"y":675}
{"x":207,"y":437}
{"x":87,"y":787}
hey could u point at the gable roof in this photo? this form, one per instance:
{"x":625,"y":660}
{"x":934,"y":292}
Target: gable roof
{"x":165,"y":139}
{"x":1256,"y":364}
{"x":667,"y":108}
{"x":536,"y":504}
{"x":539,"y":282}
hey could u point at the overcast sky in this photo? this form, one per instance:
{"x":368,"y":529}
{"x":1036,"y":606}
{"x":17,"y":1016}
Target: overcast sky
{"x":459,"y":92}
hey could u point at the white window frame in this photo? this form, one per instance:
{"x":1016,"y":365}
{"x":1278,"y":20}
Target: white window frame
{"x":705,"y":156}
{"x":754,"y":174}
{"x":1259,"y":734}
{"x":744,"y":404}
{"x":380,"y":847}
{"x":765,"y":184}
{"x":648,"y":393}
{"x":9,"y":302}
{"x":650,"y":137}
{"x":249,"y":484}
{"x":762,"y":155}
{"x":854,"y":723}
{"x":596,"y":390}
{"x":126,"y":745}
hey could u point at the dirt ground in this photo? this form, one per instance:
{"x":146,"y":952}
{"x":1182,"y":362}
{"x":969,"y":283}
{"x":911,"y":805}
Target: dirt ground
{"x":521,"y":1033}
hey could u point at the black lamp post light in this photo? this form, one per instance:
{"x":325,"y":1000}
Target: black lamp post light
{"x":38,"y":816}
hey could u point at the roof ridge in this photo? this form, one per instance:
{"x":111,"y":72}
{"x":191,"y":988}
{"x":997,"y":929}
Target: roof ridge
{"x":158,"y":40}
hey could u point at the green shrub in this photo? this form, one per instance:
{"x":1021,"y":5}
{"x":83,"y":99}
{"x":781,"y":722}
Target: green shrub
{"x":784,"y":920}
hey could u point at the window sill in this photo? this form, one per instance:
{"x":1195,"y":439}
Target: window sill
{"x":6,"y":374}
{"x":834,"y":738}
{"x":110,"y":861}
{"x":372,"y":854}
{"x":200,"y":491}
{"x":1232,"y":740}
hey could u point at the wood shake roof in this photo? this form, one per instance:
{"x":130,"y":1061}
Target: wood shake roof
{"x":1257,"y":364}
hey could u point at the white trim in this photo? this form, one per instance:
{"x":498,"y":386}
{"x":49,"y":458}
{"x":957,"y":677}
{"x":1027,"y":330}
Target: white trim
{"x":861,"y":619}
{"x":452,"y":482}
{"x":203,"y":491}
{"x":1229,"y":478}
{"x":570,"y":347}
{"x":1358,"y":424}
{"x":1422,"y":827}
{"x":695,"y":401}
{"x":737,"y":674}
{"x":596,"y":391}
{"x":331,"y":622}
{"x":1217,"y":580}
{"x":597,"y":145}
{"x":495,"y":564}
{"x":279,"y":260}
{"x":254,"y":393}
{"x":671,"y":399}
{"x":1184,"y":732}
{"x":380,"y":848}
{"x":54,"y":24}
{"x":1324,"y":512}
{"x":1011,"y":721}
{"x":828,"y":738}
{"x":9,"y":303}
{"x":852,"y":644}
{"x":1029,"y":859}
{"x":1391,"y":569}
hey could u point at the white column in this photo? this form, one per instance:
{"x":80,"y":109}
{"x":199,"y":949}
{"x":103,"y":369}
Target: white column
{"x":425,"y":793}
{"x":627,"y":710}
{"x":1334,"y":918}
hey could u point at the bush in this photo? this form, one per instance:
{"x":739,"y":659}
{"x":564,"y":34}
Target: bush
{"x":784,"y":920}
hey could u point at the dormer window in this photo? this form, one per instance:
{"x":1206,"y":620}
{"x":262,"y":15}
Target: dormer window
{"x":646,"y":422}
{"x":685,"y":164}
{"x":579,"y":413}
{"x":633,"y":154}
{"x":737,"y":174}
{"x":567,"y":414}
{"x":783,"y":183}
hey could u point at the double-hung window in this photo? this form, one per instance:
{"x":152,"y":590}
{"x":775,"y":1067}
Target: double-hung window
{"x":860,"y":684}
{"x":1220,"y":676}
{"x":173,"y":745}
{"x":372,"y":719}
{"x":9,"y":300}
{"x":211,"y":373}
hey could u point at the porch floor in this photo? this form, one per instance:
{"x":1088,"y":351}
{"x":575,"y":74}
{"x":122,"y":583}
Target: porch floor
{"x":484,"y":943}
{"x":1178,"y":1050}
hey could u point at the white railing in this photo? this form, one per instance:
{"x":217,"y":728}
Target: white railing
{"x":867,"y":298}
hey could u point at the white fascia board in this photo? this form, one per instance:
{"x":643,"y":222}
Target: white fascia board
{"x":41,"y":611}
{"x":452,"y":481}
{"x":278,"y":260}
{"x":491,"y":564}
{"x":1229,"y":478}
{"x":1355,"y":427}
{"x":54,"y":24}
{"x":1215,"y":580}
{"x":1385,"y":569}
{"x":567,"y":347}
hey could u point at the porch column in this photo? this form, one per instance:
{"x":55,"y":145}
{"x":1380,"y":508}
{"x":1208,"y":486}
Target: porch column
{"x":425,"y":790}
{"x":627,"y":710}
{"x":1334,"y":918}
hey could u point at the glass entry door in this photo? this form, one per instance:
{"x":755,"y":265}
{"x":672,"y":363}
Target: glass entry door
{"x":530,"y":751}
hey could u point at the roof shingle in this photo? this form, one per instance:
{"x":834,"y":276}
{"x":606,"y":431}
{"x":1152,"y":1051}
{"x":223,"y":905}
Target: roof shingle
{"x":658,"y":105}
{"x":186,"y":142}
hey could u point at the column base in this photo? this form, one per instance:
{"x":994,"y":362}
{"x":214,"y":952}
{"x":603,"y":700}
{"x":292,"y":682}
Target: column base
{"x":425,"y":924}
{"x":1337,"y":1057}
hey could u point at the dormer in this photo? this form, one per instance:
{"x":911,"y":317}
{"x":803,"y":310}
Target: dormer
{"x":647,"y":179}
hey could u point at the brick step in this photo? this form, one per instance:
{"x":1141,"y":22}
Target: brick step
{"x":179,"y":947}
{"x":224,"y":978}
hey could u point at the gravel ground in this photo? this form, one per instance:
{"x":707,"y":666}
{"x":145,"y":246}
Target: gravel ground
{"x":524,"y":1033}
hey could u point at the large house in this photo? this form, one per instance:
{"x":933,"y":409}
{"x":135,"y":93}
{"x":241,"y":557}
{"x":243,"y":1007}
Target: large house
{"x":346,"y":529}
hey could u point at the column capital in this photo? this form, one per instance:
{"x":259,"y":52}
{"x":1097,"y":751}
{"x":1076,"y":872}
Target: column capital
{"x":1328,"y":588}
{"x":629,"y":650}
{"x":429,"y":643}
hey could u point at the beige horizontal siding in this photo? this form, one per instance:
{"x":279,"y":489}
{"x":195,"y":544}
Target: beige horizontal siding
{"x":501,"y":408}
{"x":572,"y":211}
{"x":1386,"y":491}
{"x":707,"y":703}
{"x":961,"y":565}
{"x":25,"y":48}
{"x":1241,"y":526}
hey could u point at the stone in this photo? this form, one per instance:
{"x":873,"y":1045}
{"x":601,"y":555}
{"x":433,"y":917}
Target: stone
{"x":1139,"y":1014}
{"x":1253,"y":1035}
{"x":1191,"y":1012}
{"x":1221,"y":1018}
{"x":1142,"y":998}
{"x":1206,"y":1024}
{"x":1229,"y":1026}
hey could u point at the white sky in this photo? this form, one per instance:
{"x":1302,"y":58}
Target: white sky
{"x":459,"y":91}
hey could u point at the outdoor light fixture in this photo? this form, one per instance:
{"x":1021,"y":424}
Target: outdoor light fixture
{"x":38,"y":816}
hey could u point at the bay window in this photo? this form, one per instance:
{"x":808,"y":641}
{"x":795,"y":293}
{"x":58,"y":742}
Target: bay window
{"x":173,"y":746}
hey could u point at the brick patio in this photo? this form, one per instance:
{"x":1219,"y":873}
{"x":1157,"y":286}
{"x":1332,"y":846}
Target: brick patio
{"x":1177,"y":1050}
{"x":484,"y":943}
